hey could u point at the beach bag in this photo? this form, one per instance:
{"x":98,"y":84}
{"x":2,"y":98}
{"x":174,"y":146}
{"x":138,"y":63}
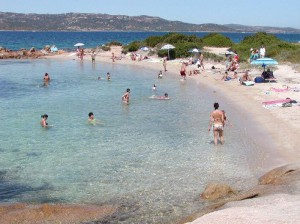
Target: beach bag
{"x":287,"y":104}
{"x":259,"y":79}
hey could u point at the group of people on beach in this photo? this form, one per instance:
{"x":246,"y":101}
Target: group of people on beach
{"x":257,"y":53}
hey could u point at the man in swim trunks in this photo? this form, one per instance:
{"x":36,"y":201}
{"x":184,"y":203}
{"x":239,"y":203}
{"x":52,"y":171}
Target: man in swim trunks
{"x":183,"y":70}
{"x":217,"y":121}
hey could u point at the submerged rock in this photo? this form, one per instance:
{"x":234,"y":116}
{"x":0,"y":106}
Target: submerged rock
{"x":216,"y":190}
{"x":53,"y":213}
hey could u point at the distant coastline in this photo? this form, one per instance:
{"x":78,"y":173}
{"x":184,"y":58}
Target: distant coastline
{"x":88,"y":22}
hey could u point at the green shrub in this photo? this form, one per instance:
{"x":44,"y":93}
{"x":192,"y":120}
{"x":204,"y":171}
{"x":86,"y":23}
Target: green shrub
{"x":216,"y":40}
{"x":105,"y":48}
{"x":114,"y":43}
{"x":152,"y":41}
{"x":275,"y":48}
{"x":134,"y":46}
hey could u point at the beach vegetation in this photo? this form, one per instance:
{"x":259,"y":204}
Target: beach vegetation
{"x":275,"y":48}
{"x":152,"y":41}
{"x":105,"y":48}
{"x":114,"y":43}
{"x":216,"y":40}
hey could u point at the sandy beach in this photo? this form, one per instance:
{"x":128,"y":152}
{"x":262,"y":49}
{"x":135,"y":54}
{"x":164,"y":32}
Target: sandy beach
{"x":276,"y":127}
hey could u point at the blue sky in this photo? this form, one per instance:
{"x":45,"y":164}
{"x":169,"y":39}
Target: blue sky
{"x":277,"y":13}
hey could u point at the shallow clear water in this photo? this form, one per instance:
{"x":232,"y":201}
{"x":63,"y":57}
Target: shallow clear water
{"x":153,"y":156}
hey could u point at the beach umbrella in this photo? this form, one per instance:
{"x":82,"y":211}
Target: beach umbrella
{"x":79,"y":45}
{"x":145,"y":49}
{"x":195,"y":50}
{"x":229,"y":53}
{"x":168,"y":47}
{"x":264,"y":62}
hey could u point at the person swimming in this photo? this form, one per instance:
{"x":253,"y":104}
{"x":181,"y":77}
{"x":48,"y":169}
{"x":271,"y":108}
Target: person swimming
{"x":91,"y":119}
{"x":164,"y":97}
{"x":44,"y":120}
{"x":108,"y":76}
{"x":160,"y":75}
{"x":154,"y":87}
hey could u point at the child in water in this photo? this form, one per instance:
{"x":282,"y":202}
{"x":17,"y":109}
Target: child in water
{"x":92,"y":120}
{"x":44,"y":120}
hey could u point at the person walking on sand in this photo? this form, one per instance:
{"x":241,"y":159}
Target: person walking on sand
{"x":201,"y":59}
{"x":113,"y":56}
{"x":165,"y":64}
{"x":183,"y":70}
{"x":216,"y":121}
{"x":125,"y":97}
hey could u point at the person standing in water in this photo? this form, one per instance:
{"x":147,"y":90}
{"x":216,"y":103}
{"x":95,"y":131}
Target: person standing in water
{"x":44,"y":121}
{"x":125,"y":97}
{"x":108,"y":76}
{"x":216,"y":121}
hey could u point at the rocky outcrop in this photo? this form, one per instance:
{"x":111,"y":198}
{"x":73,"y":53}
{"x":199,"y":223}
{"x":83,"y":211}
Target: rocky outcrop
{"x":53,"y":213}
{"x":281,"y":180}
{"x":281,"y":175}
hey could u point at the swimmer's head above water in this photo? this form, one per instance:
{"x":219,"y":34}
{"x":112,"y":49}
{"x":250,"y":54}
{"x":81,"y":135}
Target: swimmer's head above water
{"x":91,"y":114}
{"x":44,"y":116}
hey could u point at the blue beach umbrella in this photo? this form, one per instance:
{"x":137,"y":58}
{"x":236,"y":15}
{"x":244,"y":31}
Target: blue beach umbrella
{"x":264,"y":62}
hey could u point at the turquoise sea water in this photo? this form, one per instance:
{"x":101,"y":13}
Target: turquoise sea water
{"x":153,"y":157}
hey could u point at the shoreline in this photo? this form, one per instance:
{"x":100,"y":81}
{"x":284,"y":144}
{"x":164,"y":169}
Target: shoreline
{"x":235,"y":94}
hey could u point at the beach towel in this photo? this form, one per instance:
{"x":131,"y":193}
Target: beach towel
{"x":276,"y":102}
{"x":279,"y":90}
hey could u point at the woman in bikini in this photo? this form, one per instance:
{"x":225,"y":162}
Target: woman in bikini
{"x":217,"y":122}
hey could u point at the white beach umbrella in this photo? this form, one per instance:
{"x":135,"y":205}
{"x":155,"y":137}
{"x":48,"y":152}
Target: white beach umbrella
{"x":79,"y":45}
{"x":168,"y":47}
{"x":145,"y":49}
{"x":195,"y":50}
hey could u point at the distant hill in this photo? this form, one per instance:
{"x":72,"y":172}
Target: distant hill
{"x":242,"y":28}
{"x":105,"y":22}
